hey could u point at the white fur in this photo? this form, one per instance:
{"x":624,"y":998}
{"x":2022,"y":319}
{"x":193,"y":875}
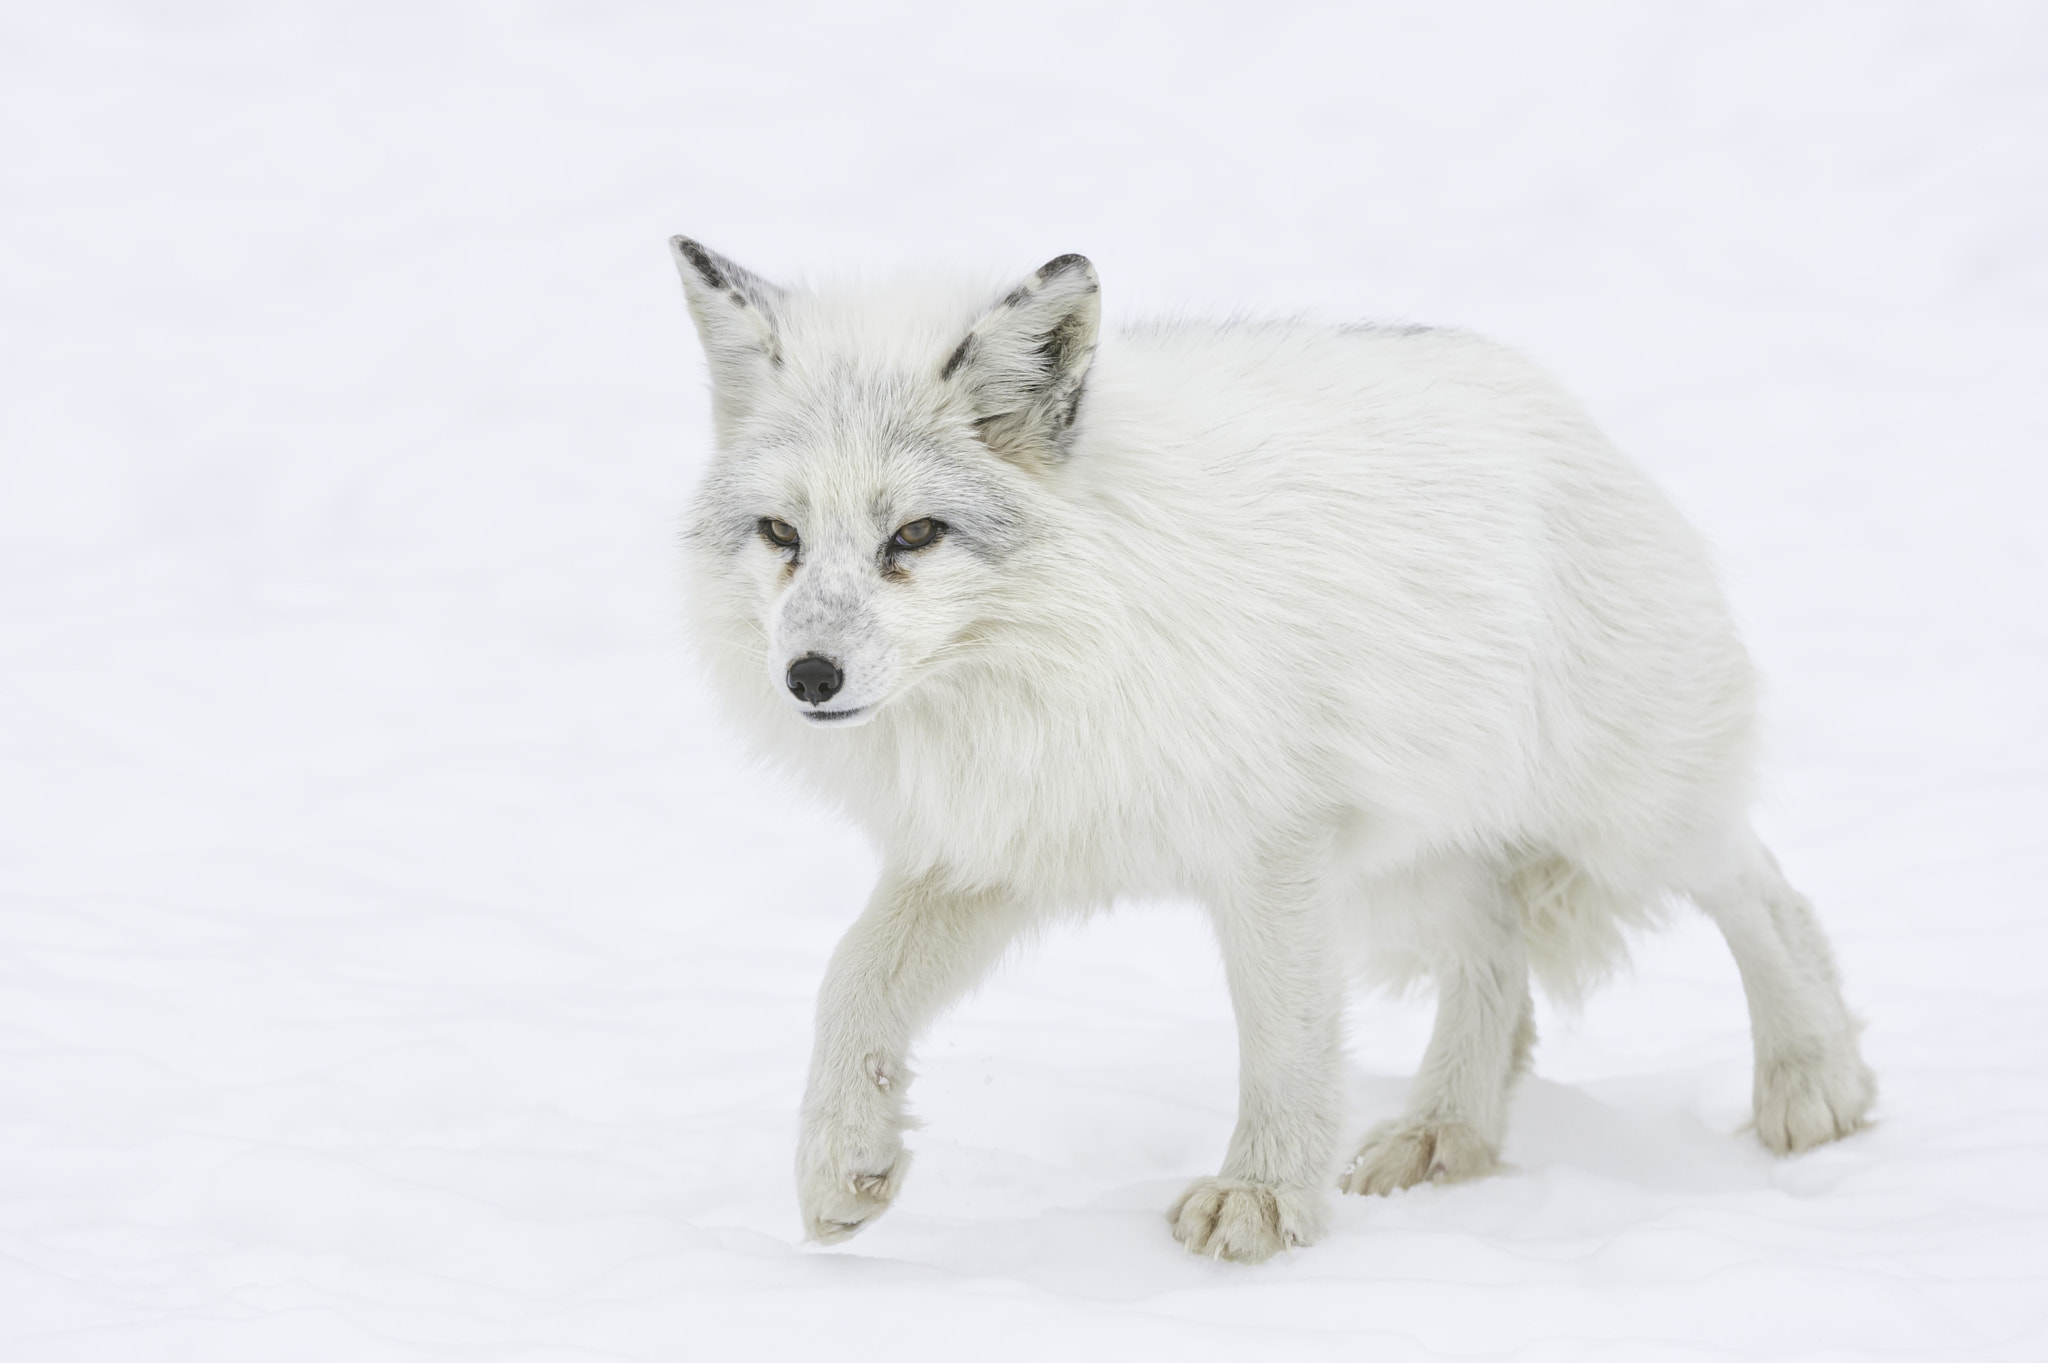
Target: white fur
{"x":1364,"y":638}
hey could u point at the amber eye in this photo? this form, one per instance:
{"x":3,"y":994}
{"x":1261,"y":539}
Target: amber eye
{"x":778,"y":532}
{"x":917,"y":534}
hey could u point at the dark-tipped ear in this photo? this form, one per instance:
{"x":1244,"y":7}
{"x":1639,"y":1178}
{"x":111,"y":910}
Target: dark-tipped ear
{"x":1022,"y":367}
{"x":735,"y":316}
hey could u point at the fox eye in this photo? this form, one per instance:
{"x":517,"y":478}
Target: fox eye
{"x":917,"y":534}
{"x":778,"y":532}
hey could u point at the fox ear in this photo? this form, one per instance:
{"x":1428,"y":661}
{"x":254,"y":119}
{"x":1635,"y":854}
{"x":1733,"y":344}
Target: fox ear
{"x":1022,"y":367}
{"x":735,"y":316}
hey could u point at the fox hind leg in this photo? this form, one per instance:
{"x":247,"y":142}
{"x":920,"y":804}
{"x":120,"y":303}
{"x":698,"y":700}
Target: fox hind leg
{"x":1485,"y":1029}
{"x":1811,"y":1085}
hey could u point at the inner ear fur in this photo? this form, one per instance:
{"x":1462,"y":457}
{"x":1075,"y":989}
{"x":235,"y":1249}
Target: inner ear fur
{"x":1023,"y":366}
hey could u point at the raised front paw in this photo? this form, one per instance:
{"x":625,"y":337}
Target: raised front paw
{"x":1235,"y":1218}
{"x":1401,"y":1154}
{"x":1801,"y":1103}
{"x":846,"y":1176}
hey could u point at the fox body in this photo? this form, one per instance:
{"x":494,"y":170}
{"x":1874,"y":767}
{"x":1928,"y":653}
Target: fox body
{"x":1365,"y":638}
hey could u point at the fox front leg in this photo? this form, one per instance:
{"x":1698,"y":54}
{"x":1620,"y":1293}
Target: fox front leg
{"x":1279,"y":955}
{"x":918,"y":946}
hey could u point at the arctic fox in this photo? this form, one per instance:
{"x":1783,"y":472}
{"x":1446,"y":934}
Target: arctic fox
{"x":1363,"y":637}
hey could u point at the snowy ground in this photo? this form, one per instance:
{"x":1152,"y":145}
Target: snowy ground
{"x":398,"y":962}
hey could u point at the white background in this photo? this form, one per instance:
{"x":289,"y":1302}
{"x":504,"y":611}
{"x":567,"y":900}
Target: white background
{"x":398,"y":960}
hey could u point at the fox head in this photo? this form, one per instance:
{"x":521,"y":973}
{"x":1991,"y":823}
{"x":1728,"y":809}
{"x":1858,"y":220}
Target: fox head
{"x":880,"y":462}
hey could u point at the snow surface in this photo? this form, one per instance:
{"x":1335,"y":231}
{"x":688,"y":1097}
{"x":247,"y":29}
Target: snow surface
{"x":398,"y":961}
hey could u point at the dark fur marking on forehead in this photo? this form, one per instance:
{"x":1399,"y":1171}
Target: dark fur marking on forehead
{"x":1016,"y":296}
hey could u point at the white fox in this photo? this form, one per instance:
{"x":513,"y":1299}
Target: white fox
{"x":1363,"y":637}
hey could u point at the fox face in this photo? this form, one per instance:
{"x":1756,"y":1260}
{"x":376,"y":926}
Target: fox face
{"x":873,"y":482}
{"x":867,"y":546}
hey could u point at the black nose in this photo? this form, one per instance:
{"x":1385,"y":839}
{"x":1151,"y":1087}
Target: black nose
{"x":815,"y":679}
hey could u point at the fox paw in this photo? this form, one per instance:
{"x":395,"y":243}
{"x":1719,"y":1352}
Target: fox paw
{"x":1237,"y":1219}
{"x":1401,"y":1154}
{"x":847,"y":1177}
{"x":1804,"y":1103}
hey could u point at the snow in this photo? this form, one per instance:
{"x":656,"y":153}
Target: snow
{"x":399,"y":961}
